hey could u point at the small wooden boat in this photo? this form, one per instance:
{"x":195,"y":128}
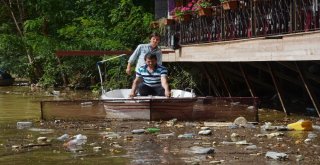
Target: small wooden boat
{"x":118,"y":105}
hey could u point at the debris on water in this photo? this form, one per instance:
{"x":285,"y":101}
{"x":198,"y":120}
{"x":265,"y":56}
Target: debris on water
{"x":276,"y":155}
{"x":138,"y":131}
{"x":55,"y":93}
{"x":110,"y":135}
{"x":42,"y":130}
{"x":301,"y":125}
{"x":171,"y":122}
{"x":97,"y":149}
{"x":24,"y":124}
{"x":240,"y":121}
{"x":307,"y":140}
{"x":15,"y":147}
{"x":205,"y":132}
{"x":74,"y":145}
{"x":166,"y":136}
{"x":186,"y":136}
{"x":64,"y":137}
{"x":299,"y":158}
{"x":234,"y":135}
{"x":316,"y":127}
{"x":202,"y":150}
{"x":243,"y":142}
{"x":128,"y":138}
{"x":216,"y":161}
{"x":251,"y":147}
{"x":217,"y":124}
{"x":312,"y":135}
{"x":153,"y":130}
{"x":190,"y":124}
{"x":233,"y":126}
{"x":57,"y":121}
{"x":42,"y":139}
{"x":205,"y":128}
{"x":268,"y":126}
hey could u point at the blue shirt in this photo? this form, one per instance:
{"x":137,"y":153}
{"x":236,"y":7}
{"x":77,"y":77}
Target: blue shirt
{"x":152,"y":79}
{"x":141,"y":51}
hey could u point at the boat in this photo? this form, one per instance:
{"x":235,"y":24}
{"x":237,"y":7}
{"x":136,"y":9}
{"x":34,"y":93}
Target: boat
{"x":118,"y":105}
{"x":5,"y":78}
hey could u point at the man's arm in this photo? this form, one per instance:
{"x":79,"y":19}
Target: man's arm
{"x":132,"y":59}
{"x":165,"y":85}
{"x":134,"y":87}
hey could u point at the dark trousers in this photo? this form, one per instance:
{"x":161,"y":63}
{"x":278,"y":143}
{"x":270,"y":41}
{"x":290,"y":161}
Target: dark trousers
{"x":145,"y":90}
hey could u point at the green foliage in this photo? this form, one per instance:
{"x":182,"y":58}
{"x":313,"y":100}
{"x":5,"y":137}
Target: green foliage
{"x":129,"y":23}
{"x":51,"y":25}
{"x":114,"y":74}
{"x":12,"y":55}
{"x":181,"y":77}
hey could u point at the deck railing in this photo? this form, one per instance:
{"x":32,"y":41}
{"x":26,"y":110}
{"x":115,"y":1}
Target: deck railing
{"x":251,"y":18}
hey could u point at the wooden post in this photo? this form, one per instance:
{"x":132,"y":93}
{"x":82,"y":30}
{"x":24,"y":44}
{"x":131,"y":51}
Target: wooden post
{"x":244,"y":74}
{"x":308,"y":89}
{"x":278,"y":89}
{"x":64,"y":79}
{"x":223,"y":79}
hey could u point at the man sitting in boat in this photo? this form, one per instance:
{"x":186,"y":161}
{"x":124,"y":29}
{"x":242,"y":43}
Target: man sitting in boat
{"x":151,"y":79}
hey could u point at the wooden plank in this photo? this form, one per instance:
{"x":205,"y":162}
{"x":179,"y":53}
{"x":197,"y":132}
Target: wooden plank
{"x":168,"y":109}
{"x":63,"y":53}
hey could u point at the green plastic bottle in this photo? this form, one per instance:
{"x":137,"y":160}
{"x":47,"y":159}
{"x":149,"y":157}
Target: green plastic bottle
{"x":153,"y":130}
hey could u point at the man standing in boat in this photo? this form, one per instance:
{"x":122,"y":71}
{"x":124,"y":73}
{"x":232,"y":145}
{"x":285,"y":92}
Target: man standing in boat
{"x":142,"y":50}
{"x":151,"y":79}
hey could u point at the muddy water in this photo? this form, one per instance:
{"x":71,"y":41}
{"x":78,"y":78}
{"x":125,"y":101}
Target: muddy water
{"x":20,"y":146}
{"x":19,"y":104}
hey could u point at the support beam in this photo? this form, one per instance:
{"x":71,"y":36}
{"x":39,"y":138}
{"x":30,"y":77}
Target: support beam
{"x":244,"y":74}
{"x":308,"y":89}
{"x":236,"y":72}
{"x":280,"y":75}
{"x":211,"y":84}
{"x":308,"y":75}
{"x":278,"y":89}
{"x":220,"y":73}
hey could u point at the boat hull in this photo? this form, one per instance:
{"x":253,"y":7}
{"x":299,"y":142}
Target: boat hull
{"x":118,"y":105}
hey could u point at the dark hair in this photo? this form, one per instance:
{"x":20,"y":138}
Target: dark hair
{"x":154,"y":34}
{"x":150,"y":56}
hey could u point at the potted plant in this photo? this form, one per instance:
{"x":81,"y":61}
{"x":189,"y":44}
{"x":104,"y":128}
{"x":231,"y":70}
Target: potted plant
{"x":183,"y":13}
{"x":204,"y":7}
{"x":229,"y":4}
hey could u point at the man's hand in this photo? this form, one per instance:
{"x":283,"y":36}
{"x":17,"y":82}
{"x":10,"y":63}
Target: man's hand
{"x":128,"y":70}
{"x":167,"y":93}
{"x":131,"y":95}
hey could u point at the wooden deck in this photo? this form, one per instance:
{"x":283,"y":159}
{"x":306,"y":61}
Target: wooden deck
{"x":287,"y":47}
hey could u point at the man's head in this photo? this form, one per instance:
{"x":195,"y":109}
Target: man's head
{"x":150,"y":59}
{"x":154,"y":39}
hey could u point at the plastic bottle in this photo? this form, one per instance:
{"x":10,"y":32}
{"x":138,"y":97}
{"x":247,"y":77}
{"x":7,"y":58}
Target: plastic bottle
{"x":153,"y":130}
{"x":24,"y":124}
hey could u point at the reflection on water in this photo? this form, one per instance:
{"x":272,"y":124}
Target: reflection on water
{"x":21,"y":146}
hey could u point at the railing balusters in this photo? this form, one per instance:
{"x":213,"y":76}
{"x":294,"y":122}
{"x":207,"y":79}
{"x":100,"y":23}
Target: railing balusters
{"x":253,"y":18}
